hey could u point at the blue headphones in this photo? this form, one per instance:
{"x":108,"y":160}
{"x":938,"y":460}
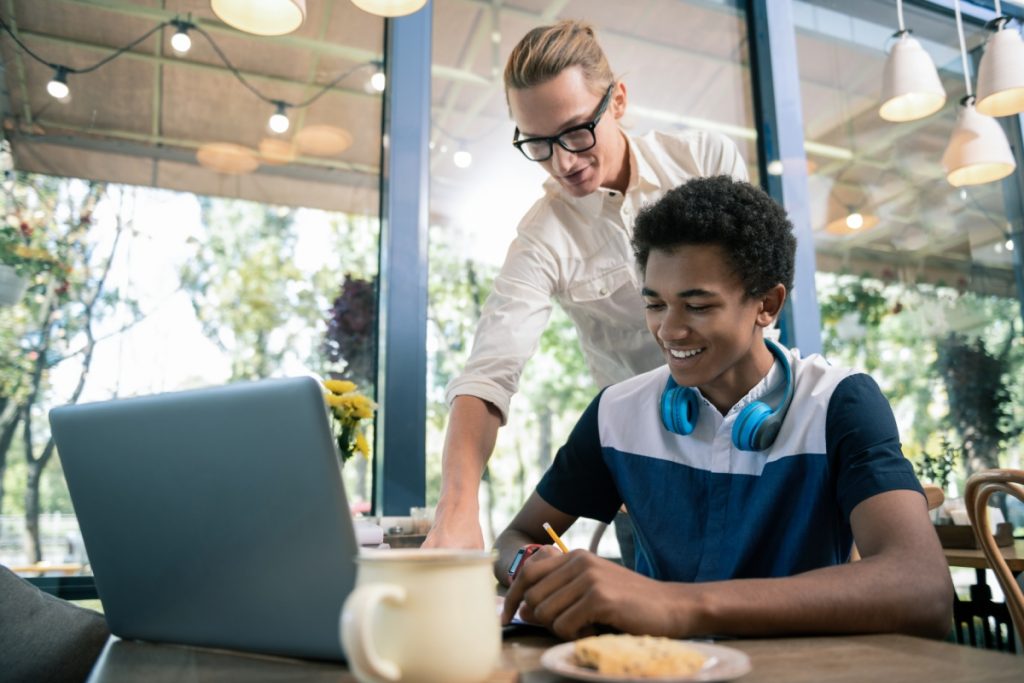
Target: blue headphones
{"x":756,"y":426}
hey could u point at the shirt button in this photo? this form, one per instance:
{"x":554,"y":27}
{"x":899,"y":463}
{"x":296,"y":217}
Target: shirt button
{"x":604,"y":291}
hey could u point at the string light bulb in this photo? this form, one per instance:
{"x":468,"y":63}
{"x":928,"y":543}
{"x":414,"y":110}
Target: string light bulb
{"x":462,"y":158}
{"x":279,"y":122}
{"x":378,"y":81}
{"x":58,"y":85}
{"x":180,"y":41}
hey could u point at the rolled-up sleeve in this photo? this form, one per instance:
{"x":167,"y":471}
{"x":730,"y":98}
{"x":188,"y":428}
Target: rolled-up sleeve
{"x":513,"y":319}
{"x":720,"y":156}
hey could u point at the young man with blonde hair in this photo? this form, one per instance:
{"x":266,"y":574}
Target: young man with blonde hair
{"x":572,"y":247}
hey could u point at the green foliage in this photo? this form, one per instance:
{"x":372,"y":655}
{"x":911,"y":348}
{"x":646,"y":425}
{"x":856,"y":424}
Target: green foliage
{"x":978,"y":397}
{"x":937,"y":469}
{"x":897,"y":339}
{"x":67,"y":255}
{"x":249,"y":295}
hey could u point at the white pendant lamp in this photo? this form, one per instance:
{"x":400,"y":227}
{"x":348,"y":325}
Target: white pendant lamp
{"x":977,"y":151}
{"x":389,"y":8}
{"x":1001,"y":73}
{"x":911,"y":88}
{"x":262,"y":17}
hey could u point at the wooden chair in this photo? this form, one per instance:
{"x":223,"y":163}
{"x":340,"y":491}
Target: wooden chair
{"x":980,"y":487}
{"x":934,"y":495}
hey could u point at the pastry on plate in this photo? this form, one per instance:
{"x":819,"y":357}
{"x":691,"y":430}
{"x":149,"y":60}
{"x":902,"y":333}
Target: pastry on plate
{"x":637,"y":656}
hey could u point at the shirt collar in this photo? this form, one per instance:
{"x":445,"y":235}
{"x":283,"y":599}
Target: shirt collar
{"x":641,"y":175}
{"x":771,"y":383}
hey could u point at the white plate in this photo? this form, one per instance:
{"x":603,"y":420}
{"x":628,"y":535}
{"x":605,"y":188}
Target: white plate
{"x":723,"y":664}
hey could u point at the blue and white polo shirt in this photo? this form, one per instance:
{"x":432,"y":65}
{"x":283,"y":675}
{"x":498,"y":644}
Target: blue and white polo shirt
{"x":702,"y":509}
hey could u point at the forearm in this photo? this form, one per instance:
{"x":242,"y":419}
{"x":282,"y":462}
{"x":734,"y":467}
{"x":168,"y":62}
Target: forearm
{"x":472,"y":431}
{"x":871,"y":596}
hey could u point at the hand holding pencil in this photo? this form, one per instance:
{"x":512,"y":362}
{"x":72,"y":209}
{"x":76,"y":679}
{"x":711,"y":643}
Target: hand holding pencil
{"x":556,"y":538}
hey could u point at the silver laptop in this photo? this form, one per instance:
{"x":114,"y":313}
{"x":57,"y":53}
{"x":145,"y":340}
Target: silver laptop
{"x":214,"y":517}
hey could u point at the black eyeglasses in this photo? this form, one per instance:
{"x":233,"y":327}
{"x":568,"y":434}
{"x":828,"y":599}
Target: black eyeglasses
{"x":576,"y":139}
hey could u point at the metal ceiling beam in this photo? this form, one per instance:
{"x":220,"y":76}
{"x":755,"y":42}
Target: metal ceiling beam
{"x":321,"y":172}
{"x":984,"y":279}
{"x":159,"y":142}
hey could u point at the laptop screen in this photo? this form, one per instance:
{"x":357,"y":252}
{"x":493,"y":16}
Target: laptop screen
{"x":215,"y":516}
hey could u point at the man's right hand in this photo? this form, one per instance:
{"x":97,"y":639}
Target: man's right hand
{"x":455,"y":530}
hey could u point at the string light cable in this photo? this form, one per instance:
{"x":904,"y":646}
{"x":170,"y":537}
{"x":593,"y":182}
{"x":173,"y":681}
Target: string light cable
{"x":182,"y":27}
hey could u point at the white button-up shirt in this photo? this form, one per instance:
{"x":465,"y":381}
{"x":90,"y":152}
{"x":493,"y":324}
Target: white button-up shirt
{"x":576,"y":251}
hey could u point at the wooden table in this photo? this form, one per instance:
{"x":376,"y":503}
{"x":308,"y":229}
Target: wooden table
{"x":850,"y":659}
{"x":975,"y":558}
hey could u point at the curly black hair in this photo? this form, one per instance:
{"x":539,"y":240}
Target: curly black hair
{"x":750,"y":226}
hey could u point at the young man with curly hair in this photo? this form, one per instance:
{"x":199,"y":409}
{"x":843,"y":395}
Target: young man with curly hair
{"x":748,"y":471}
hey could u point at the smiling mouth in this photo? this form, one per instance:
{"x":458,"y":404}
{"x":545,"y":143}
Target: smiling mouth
{"x":690,"y":353}
{"x":575,"y":176}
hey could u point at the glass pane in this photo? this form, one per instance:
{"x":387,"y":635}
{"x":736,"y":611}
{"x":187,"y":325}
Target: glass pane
{"x":915,"y":276}
{"x":155,"y":261}
{"x":685,"y":66}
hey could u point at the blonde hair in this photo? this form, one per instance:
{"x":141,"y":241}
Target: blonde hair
{"x":547,"y":51}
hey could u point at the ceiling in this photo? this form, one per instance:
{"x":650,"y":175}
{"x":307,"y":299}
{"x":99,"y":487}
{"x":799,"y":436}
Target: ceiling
{"x":141,"y":118}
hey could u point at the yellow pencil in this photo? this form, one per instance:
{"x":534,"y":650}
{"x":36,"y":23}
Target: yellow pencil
{"x":555,"y":538}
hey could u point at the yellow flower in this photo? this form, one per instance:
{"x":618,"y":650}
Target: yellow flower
{"x":334,"y":400}
{"x":339,"y":386}
{"x":33,"y":253}
{"x":349,"y":409}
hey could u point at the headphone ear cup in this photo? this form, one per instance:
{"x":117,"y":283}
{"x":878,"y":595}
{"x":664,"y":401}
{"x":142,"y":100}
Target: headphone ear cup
{"x":679,"y":409}
{"x":748,"y":423}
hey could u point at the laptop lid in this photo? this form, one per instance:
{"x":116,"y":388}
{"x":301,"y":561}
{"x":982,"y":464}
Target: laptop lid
{"x":214,"y":517}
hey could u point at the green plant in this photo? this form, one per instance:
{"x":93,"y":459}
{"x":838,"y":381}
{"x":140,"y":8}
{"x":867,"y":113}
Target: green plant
{"x":979,"y":397}
{"x":936,"y":469}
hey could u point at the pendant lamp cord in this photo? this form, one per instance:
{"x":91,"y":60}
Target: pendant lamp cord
{"x":899,"y":16}
{"x":963,"y":49}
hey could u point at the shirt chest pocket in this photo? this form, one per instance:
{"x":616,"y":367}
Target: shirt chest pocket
{"x":602,"y":286}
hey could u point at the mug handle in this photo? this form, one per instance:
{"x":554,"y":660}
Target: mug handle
{"x":357,"y":629}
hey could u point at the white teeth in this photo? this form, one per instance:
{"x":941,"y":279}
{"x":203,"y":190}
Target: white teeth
{"x":684,"y":354}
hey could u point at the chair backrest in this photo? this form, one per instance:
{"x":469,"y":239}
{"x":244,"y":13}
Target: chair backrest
{"x":980,"y":487}
{"x":934,"y":495}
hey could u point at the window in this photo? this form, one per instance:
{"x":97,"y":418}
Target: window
{"x":684,"y":65}
{"x":915,"y":277}
{"x":166,"y":237}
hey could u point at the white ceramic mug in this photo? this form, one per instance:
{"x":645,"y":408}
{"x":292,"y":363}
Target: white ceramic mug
{"x":422,"y":616}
